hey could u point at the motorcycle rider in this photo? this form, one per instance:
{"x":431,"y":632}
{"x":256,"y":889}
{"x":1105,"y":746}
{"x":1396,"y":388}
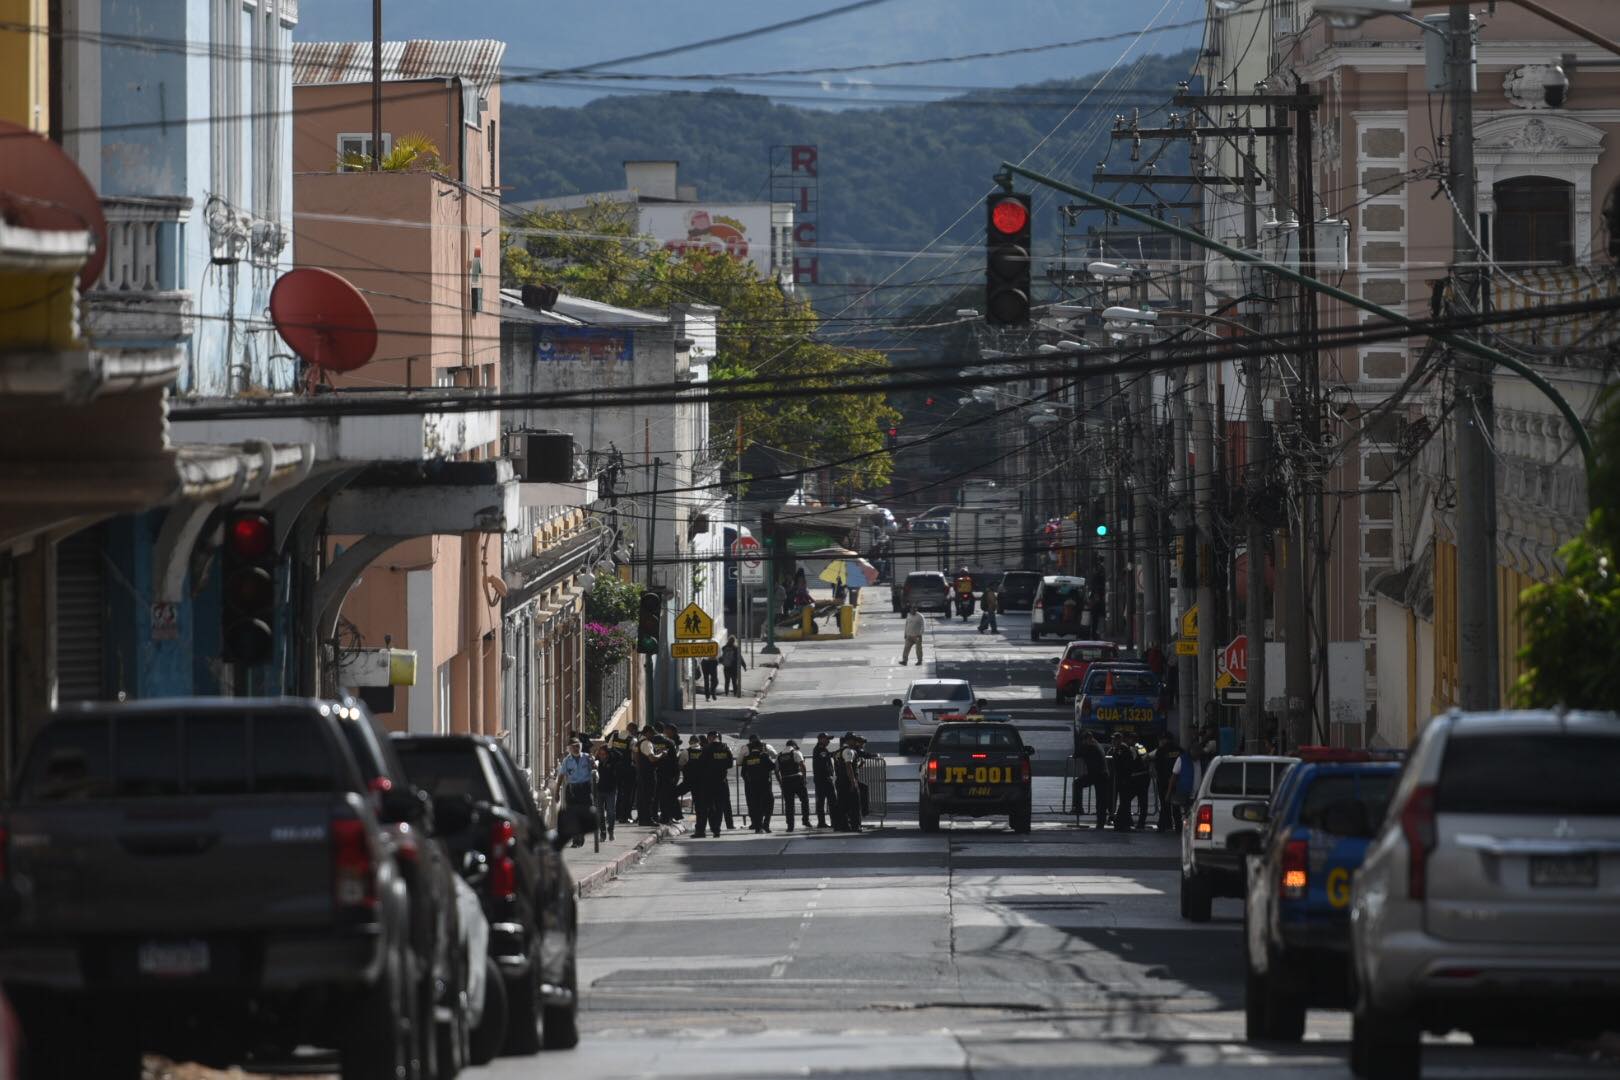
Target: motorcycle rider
{"x":963,"y":586}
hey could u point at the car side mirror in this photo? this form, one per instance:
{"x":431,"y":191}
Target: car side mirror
{"x":452,"y":814}
{"x":400,"y":805}
{"x":1256,"y":813}
{"x":896,"y":702}
{"x":1055,"y":661}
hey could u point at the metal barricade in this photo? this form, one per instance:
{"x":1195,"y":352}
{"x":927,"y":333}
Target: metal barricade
{"x":874,"y":774}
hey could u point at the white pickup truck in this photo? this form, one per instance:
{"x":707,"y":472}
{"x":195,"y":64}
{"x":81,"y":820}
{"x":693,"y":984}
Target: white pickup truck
{"x":1210,"y":865}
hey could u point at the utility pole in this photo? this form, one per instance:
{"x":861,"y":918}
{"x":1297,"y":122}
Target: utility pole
{"x":652,"y":535}
{"x":1478,"y":674}
{"x":1187,"y":537}
{"x":376,"y":85}
{"x":1204,"y":512}
{"x":1144,"y":552}
{"x":1254,"y":483}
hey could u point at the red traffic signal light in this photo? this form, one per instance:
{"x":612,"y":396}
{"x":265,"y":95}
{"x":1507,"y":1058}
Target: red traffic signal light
{"x":1009,"y":215}
{"x":248,"y":588}
{"x":250,"y":535}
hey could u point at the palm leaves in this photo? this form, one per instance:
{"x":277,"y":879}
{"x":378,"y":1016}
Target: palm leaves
{"x":415,"y":152}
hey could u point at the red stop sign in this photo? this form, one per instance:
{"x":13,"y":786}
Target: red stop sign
{"x":1236,"y":658}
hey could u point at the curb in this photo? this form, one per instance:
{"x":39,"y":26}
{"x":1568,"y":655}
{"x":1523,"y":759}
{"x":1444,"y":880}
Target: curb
{"x":596,"y":879}
{"x":759,"y":698}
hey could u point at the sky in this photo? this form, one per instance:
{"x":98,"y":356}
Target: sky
{"x":568,"y":34}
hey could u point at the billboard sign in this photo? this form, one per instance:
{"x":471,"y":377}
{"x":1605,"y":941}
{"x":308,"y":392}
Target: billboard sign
{"x":741,"y":230}
{"x":589,"y":344}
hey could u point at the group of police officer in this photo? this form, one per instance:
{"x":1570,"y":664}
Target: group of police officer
{"x":651,"y":769}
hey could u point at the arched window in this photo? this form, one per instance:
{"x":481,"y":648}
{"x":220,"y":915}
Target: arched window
{"x":1533,"y":221}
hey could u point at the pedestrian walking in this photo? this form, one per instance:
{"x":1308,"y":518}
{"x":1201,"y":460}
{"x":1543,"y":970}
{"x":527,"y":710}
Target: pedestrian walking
{"x":821,"y":766}
{"x":711,"y":677}
{"x":1093,"y":774}
{"x":914,"y":636}
{"x":574,"y":775}
{"x":607,"y":790}
{"x":790,"y":776}
{"x":991,"y":604}
{"x":731,"y":663}
{"x":757,"y":766}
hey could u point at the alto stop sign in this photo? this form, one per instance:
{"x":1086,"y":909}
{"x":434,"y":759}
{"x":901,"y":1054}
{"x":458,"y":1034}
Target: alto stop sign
{"x":747,"y":549}
{"x":1235,"y":658}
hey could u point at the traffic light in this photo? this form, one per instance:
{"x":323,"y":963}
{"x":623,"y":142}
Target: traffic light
{"x":248,"y":608}
{"x":1099,"y":515}
{"x":648,"y":618}
{"x":892,"y":438}
{"x":1007,"y":259}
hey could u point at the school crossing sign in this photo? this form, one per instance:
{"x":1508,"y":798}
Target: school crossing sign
{"x":694,"y":635}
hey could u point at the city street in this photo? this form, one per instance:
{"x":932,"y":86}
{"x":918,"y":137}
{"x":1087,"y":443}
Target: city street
{"x":972,"y":953}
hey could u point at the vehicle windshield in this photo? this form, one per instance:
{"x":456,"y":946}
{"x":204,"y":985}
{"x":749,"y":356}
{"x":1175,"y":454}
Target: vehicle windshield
{"x":1348,"y":805}
{"x":1088,"y":653}
{"x":977,"y":737}
{"x":1113,"y":681}
{"x":452,"y":769}
{"x":1019,"y":587}
{"x":1520,"y":773}
{"x":941,"y":691}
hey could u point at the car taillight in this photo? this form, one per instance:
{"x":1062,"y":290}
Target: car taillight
{"x":1417,"y":825}
{"x":1023,"y":770}
{"x":907,"y":713}
{"x":1206,"y":822}
{"x":502,"y":870}
{"x":979,"y":757}
{"x":933,"y":769}
{"x":354,"y":871}
{"x":380,"y":784}
{"x":1296,"y":854}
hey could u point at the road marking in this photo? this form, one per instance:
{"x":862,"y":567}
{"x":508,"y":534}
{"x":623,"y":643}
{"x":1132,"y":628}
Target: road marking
{"x":779,"y":968}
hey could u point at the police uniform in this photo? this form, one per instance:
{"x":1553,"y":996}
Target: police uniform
{"x":1122,"y":764}
{"x":821,"y":764}
{"x":848,"y":784}
{"x":790,"y":773}
{"x":757,"y":766}
{"x":714,"y":775}
{"x":668,"y":779}
{"x":646,"y":754}
{"x":623,"y":768}
{"x":692,"y":778}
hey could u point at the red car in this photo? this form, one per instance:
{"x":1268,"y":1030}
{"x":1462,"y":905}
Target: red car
{"x":1076,"y":660}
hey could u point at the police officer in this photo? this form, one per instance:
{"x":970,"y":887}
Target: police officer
{"x":714,"y":775}
{"x":1096,"y":776}
{"x":668,"y":777}
{"x":1122,"y":764}
{"x":821,"y":764}
{"x":848,"y":782}
{"x":692,"y":777}
{"x":646,"y":755}
{"x":757,"y":766}
{"x":790,"y":774}
{"x":860,"y":783}
{"x":623,"y":766}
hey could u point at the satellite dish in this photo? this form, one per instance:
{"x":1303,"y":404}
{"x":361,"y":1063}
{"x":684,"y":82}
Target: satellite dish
{"x":323,"y":319}
{"x":42,"y":188}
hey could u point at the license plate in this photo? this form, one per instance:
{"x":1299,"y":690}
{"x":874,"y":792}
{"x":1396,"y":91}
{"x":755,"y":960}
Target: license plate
{"x":980,"y":792}
{"x":1563,"y":871}
{"x":172,"y":959}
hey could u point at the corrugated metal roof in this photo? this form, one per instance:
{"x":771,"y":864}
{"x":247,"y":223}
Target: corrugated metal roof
{"x":477,"y":60}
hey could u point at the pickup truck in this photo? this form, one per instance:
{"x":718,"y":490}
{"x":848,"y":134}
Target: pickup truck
{"x":1213,"y":844}
{"x":1296,"y":915}
{"x":488,"y":817}
{"x":976,"y":767}
{"x":201,"y":878}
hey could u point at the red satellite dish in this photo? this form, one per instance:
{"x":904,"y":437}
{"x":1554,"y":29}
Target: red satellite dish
{"x":323,"y":319}
{"x":42,"y":188}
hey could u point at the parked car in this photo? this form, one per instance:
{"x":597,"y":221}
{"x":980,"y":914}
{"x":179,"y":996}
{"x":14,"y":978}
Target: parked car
{"x":1077,"y":658}
{"x":1017,"y":589}
{"x":934,"y":519}
{"x":487,"y":815}
{"x":1046,"y":616}
{"x":1297,"y":913}
{"x":202,"y":877}
{"x":1213,"y":844}
{"x":926,"y":590}
{"x":1121,"y":695}
{"x":926,"y":701}
{"x":976,"y":768}
{"x":438,"y":935}
{"x":1489,"y":899}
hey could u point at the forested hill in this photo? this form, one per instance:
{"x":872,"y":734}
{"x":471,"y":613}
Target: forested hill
{"x":892,"y":178}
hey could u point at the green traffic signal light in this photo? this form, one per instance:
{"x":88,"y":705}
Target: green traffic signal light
{"x":1102,"y":530}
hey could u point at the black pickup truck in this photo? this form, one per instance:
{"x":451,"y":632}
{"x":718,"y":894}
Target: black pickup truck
{"x":976,"y":767}
{"x":203,"y":878}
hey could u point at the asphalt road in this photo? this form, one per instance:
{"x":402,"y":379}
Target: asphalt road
{"x":972,"y":953}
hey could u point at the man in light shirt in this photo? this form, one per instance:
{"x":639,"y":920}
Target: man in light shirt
{"x":914,"y":636}
{"x":574,"y":772}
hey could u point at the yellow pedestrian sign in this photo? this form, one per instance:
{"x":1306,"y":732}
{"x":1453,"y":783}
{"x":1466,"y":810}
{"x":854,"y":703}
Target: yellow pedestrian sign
{"x":693,"y":624}
{"x":1189,"y":624}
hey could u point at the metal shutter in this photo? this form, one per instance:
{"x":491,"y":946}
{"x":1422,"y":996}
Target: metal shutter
{"x":81,"y":602}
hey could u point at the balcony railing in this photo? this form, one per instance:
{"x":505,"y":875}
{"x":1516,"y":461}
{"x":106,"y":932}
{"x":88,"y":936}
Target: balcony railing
{"x":140,"y":298}
{"x":1577,"y":340}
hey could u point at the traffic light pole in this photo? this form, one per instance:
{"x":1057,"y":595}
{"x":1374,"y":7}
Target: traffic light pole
{"x":767,"y":525}
{"x":652,"y":540}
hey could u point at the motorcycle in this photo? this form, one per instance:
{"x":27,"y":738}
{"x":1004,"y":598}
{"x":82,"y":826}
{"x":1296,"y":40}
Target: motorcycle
{"x":964,"y":605}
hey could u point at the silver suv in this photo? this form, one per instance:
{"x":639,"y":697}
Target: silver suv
{"x":1490,"y":899}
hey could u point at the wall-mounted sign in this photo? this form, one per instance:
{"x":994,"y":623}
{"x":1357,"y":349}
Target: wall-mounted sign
{"x":588,"y":344}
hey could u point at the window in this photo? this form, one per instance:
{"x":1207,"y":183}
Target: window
{"x":1530,"y":774}
{"x":358,"y":145}
{"x":442,"y":720}
{"x":977,"y":737}
{"x":493,"y":159}
{"x":1533,"y":221}
{"x":940,"y":691}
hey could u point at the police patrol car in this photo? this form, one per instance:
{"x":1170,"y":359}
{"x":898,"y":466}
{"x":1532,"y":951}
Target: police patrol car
{"x":976,"y":766}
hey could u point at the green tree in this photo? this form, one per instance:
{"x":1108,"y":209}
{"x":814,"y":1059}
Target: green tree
{"x":1572,"y":625}
{"x":612,"y":601}
{"x":763,"y":332}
